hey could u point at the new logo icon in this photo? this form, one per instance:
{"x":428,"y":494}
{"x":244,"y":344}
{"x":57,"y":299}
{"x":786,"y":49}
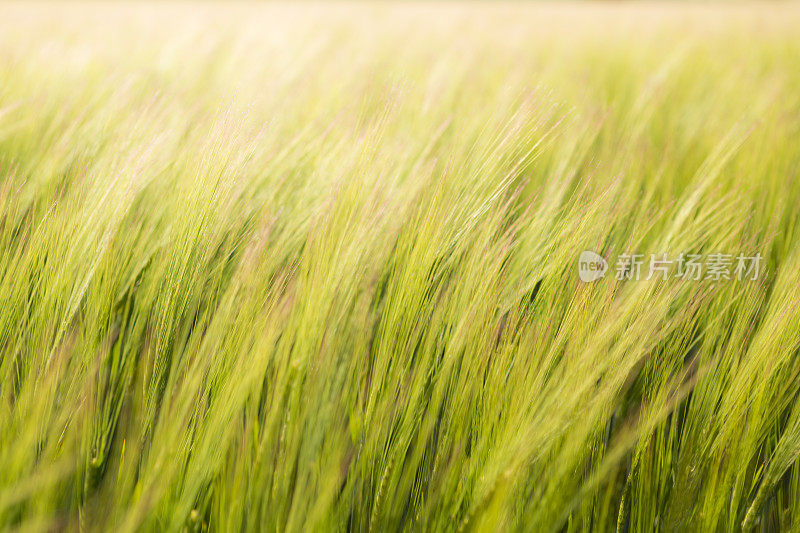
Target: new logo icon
{"x":591,"y":266}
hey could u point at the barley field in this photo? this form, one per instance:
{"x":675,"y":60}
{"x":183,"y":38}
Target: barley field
{"x":400,"y":267}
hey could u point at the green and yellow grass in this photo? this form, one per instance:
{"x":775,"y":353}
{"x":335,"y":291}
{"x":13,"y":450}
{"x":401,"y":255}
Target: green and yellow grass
{"x":315,"y":268}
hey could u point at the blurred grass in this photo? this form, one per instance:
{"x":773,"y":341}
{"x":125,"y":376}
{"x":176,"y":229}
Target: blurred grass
{"x":314,"y":268}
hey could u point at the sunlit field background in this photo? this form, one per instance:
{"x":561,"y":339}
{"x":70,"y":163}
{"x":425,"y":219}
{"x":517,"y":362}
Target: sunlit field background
{"x":315,"y":268}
